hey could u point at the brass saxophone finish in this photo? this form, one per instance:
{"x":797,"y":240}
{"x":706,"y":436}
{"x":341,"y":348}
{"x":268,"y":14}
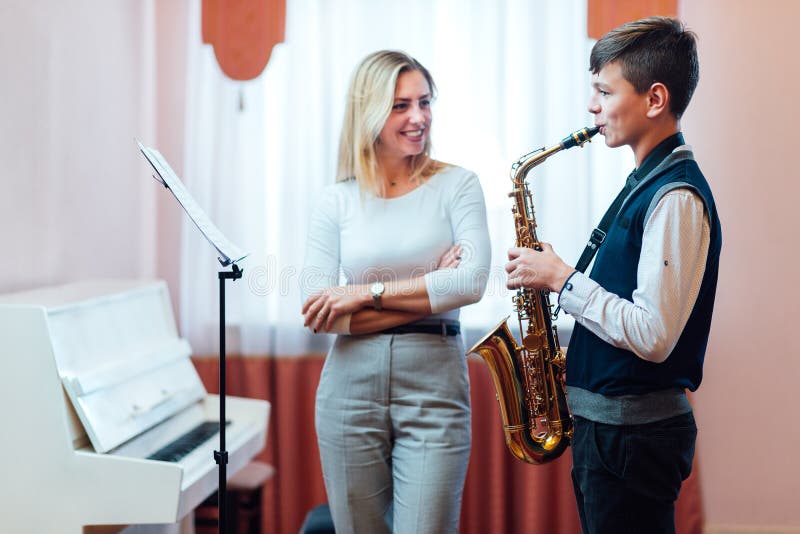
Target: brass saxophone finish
{"x":529,"y":377}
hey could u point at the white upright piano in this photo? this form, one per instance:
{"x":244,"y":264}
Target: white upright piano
{"x":96,"y":387}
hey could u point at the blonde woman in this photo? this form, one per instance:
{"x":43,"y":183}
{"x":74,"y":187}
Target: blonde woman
{"x":395,"y":247}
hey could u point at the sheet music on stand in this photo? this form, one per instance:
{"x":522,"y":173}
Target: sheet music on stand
{"x":228,"y":252}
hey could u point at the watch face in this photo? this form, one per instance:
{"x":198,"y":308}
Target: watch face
{"x":377,"y":289}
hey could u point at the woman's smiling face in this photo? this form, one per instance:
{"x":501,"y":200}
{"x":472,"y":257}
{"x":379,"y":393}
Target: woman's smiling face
{"x":407,"y":128}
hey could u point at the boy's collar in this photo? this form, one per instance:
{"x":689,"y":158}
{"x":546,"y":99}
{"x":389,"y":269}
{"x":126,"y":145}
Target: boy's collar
{"x":657,"y":155}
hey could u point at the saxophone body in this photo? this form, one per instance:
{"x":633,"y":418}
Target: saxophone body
{"x":529,"y":376}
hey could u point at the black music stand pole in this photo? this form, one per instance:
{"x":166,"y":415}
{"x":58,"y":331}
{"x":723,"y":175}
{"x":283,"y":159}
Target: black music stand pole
{"x":229,"y":255}
{"x":221,"y":456}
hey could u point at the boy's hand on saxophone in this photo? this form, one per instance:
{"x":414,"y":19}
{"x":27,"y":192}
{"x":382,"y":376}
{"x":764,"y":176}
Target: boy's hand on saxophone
{"x":537,"y":269}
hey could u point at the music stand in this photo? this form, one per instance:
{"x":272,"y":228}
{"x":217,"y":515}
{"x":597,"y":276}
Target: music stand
{"x":221,"y":456}
{"x":228,"y":254}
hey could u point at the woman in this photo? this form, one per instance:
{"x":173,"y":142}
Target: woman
{"x":408,"y":234}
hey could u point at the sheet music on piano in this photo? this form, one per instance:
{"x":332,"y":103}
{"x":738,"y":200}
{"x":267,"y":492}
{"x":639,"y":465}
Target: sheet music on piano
{"x":228,"y":252}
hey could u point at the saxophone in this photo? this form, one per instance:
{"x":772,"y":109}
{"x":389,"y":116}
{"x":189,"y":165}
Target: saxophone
{"x":529,"y":378}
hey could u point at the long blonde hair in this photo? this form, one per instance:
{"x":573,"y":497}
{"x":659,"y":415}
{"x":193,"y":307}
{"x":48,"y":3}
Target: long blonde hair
{"x":369,"y":102}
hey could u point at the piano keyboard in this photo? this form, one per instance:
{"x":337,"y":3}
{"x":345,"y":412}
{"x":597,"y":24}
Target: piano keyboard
{"x":183,"y":445}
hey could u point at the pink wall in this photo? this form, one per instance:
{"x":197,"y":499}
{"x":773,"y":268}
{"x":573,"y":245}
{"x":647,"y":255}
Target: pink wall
{"x":171,"y":41}
{"x":742,"y":124}
{"x":80,"y":80}
{"x":77,"y":87}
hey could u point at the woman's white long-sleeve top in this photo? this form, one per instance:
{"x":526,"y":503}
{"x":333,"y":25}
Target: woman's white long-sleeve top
{"x":357,"y":238}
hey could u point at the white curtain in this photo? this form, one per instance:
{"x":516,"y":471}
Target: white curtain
{"x":512,"y":76}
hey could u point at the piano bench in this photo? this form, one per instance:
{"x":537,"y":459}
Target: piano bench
{"x":244,"y":502}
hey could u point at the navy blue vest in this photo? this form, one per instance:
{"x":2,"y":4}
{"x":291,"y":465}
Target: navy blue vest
{"x":596,"y":366}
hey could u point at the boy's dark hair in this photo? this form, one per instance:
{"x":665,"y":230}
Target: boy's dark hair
{"x":655,"y":49}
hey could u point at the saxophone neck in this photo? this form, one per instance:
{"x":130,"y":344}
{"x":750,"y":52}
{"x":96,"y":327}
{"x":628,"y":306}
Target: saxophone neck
{"x":523,"y":165}
{"x":530,"y":160}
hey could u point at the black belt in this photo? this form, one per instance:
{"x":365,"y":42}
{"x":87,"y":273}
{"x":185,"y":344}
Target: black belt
{"x":442,"y":329}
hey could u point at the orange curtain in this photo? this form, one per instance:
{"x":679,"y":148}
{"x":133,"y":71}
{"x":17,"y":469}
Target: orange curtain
{"x":605,"y":15}
{"x":243,"y":33}
{"x":502,"y":494}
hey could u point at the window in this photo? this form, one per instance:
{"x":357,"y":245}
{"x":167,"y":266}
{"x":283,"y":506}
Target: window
{"x":512,"y":76}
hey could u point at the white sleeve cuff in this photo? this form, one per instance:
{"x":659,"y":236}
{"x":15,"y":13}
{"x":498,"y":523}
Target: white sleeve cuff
{"x":575,"y":293}
{"x":452,"y":288}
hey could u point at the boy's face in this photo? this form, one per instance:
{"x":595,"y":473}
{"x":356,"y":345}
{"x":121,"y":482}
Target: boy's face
{"x":620,"y":112}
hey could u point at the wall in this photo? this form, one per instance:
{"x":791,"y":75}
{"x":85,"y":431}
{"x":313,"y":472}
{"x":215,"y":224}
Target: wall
{"x":171,"y":21}
{"x":78,"y":85}
{"x":741,"y":124}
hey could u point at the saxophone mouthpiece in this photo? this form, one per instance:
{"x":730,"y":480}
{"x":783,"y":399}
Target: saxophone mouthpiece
{"x":579,"y":137}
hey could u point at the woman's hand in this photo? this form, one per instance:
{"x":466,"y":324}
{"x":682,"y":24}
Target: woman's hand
{"x":451,"y":258}
{"x":322,"y":309}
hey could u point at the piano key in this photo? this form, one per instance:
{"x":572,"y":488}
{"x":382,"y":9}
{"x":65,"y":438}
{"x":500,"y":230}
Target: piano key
{"x":183,"y":445}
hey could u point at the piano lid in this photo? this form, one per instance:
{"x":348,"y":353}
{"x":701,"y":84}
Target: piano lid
{"x":118,"y":354}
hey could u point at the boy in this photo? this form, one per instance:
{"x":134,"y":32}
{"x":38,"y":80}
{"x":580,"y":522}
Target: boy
{"x":643,"y":314}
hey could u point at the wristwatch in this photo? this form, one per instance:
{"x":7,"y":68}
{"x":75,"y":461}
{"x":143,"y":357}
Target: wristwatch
{"x":377,"y":290}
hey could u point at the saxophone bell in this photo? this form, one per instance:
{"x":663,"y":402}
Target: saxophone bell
{"x":529,"y":437}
